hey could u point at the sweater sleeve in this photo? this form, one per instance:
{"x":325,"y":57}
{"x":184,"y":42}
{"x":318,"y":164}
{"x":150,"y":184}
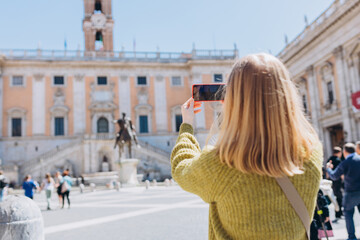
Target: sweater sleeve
{"x":194,"y":170}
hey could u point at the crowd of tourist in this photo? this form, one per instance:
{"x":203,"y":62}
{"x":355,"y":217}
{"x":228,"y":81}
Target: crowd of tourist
{"x":344,"y":170}
{"x":61,"y":183}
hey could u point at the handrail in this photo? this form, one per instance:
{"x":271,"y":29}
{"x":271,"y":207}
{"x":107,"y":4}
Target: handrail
{"x":50,"y":153}
{"x":102,"y":136}
{"x":40,"y":54}
{"x":146,"y":145}
{"x":313,"y":25}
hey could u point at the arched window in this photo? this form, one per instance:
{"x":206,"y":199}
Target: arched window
{"x":99,"y":43}
{"x":102,"y":125}
{"x":97,"y":6}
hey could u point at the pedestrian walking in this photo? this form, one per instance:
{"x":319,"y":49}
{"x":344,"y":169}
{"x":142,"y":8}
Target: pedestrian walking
{"x":336,"y":184}
{"x":29,"y":186}
{"x":3,"y":184}
{"x":263,"y":140}
{"x":58,"y":180}
{"x":350,"y":168}
{"x":48,"y":184}
{"x":66,"y":184}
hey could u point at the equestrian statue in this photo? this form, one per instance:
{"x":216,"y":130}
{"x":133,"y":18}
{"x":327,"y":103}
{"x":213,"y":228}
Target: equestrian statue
{"x":125,"y":135}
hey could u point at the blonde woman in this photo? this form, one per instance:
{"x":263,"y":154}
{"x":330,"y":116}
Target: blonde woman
{"x":48,"y":184}
{"x":262,"y":134}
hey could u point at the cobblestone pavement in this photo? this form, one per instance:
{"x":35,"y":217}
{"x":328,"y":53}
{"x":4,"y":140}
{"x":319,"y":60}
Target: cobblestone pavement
{"x":136,"y":213}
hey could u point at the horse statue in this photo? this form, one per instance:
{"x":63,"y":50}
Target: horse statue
{"x":125,"y":135}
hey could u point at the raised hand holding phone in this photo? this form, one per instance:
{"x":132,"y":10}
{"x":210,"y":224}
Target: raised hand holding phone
{"x":188,"y":112}
{"x":208,"y":92}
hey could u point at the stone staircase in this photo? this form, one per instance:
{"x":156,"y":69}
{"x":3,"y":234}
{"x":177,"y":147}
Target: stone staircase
{"x":59,"y":157}
{"x":147,"y":149}
{"x":45,"y":162}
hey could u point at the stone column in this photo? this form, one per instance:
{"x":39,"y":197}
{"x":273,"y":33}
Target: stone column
{"x":38,"y":105}
{"x":313,"y":98}
{"x":109,"y":37}
{"x":106,"y":5}
{"x":79,"y":105}
{"x":89,"y":7}
{"x":345,"y":98}
{"x":353,"y":74}
{"x":160,"y":104}
{"x":93,"y":157}
{"x":87,"y":157}
{"x":124,"y":96}
{"x":327,"y":144}
{"x":200,"y":117}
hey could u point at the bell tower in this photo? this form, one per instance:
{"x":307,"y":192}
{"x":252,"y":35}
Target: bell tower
{"x":98,"y":25}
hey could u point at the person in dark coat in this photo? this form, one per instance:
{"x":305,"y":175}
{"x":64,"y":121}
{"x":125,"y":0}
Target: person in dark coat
{"x":350,"y":168}
{"x":335,"y":160}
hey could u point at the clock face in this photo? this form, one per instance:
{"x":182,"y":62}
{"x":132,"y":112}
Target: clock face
{"x":98,"y":20}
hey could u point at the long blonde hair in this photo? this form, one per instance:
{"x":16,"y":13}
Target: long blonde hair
{"x":263,"y":128}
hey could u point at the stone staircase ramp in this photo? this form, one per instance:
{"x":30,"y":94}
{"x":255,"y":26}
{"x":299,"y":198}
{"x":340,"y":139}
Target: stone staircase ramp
{"x":44,"y":162}
{"x":157,"y":153}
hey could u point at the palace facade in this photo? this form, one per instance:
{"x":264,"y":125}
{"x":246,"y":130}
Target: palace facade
{"x":57,"y":107}
{"x":324,"y":60}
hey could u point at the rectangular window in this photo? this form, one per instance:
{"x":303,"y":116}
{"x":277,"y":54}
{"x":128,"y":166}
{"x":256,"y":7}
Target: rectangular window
{"x":330,"y":92}
{"x":16,"y":127}
{"x":59,"y":80}
{"x":141,"y":80}
{"x":102,"y":81}
{"x":304,"y":103}
{"x":176,"y":81}
{"x":59,"y":126}
{"x":143,"y":120}
{"x":17,"y":81}
{"x":218,"y":78}
{"x":178,"y":121}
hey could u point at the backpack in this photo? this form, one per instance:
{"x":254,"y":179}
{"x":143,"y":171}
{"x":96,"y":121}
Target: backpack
{"x":64,"y":186}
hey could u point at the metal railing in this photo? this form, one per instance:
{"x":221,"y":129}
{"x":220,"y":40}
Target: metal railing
{"x":35,"y":161}
{"x":48,"y":156}
{"x":124,"y":56}
{"x":147,"y":146}
{"x":314,"y":25}
{"x":100,"y":136}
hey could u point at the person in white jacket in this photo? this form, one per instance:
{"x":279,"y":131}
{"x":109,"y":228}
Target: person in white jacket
{"x":48,"y":184}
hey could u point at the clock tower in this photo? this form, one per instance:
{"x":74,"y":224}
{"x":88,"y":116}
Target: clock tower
{"x":98,"y":25}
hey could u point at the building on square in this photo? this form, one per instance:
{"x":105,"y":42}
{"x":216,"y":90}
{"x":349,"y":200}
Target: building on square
{"x":324,"y":60}
{"x":57,"y":107}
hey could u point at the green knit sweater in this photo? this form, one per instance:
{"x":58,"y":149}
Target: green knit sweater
{"x":242,"y":206}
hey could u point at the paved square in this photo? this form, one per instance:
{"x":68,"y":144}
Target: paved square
{"x":136,"y":213}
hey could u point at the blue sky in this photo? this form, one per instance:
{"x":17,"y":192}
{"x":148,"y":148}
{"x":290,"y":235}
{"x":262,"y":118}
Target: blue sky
{"x":255,"y":26}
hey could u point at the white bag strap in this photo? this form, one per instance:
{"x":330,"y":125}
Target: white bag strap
{"x":296,"y":202}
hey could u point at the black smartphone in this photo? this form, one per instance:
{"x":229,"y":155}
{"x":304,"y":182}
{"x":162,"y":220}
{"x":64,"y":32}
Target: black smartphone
{"x":208,"y":92}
